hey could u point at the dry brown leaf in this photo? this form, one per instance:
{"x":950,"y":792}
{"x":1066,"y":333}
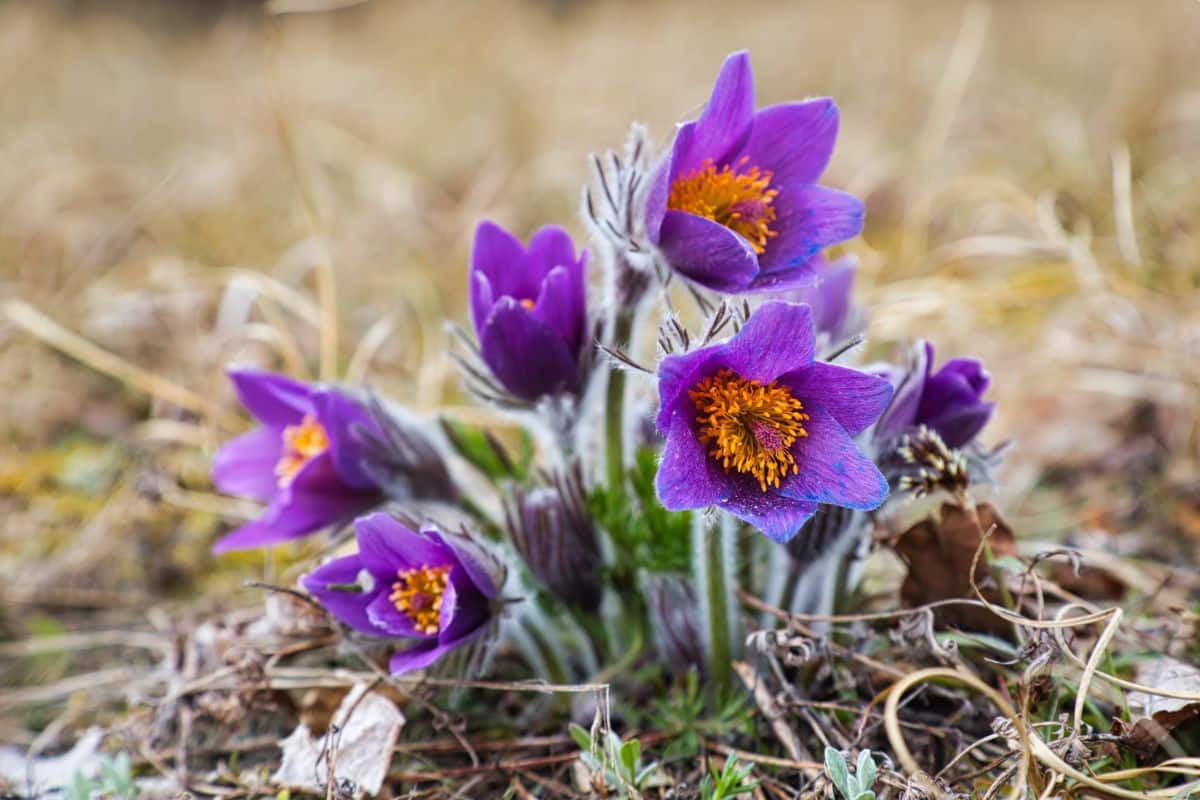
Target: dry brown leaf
{"x":361,"y":746}
{"x":939,"y":553}
{"x":1154,"y":717}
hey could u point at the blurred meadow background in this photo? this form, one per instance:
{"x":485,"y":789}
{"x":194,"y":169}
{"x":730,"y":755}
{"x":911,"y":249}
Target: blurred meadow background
{"x":174,"y":176}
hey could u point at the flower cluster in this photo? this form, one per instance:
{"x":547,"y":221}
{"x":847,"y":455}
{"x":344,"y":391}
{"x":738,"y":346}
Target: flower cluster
{"x":758,"y":417}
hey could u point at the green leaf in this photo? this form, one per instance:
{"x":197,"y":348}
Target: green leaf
{"x":581,"y":737}
{"x":484,"y":451}
{"x":79,"y":788}
{"x":864,"y":796}
{"x":835,"y":766}
{"x":865,"y":771}
{"x":631,"y":754}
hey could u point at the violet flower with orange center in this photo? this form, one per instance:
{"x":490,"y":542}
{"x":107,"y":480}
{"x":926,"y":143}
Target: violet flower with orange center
{"x":418,"y":585}
{"x":757,"y":427}
{"x":735,"y":206}
{"x":305,"y":461}
{"x":530,"y":309}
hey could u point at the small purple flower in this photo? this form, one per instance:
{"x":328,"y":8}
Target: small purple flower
{"x":530,"y":309}
{"x":304,"y":460}
{"x":949,"y":401}
{"x":759,"y":428}
{"x":401,"y":583}
{"x":735,"y":206}
{"x":830,"y":297}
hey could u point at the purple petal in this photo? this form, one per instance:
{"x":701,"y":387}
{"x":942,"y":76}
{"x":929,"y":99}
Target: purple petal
{"x":778,"y":517}
{"x":793,"y":140}
{"x":724,"y":125}
{"x":390,"y":620}
{"x":901,"y":414}
{"x":500,"y":256}
{"x":830,"y":298}
{"x":854,"y":399}
{"x":526,"y":354}
{"x":960,"y":381}
{"x":777,"y":339}
{"x":470,"y":559}
{"x":294,"y":514}
{"x":687,"y":477}
{"x":706,"y":252}
{"x":551,"y":247}
{"x":959,"y":426}
{"x":463,"y":614}
{"x":271,"y":399}
{"x":348,"y":607}
{"x":561,"y":306}
{"x":245,"y":466}
{"x":482,"y":300}
{"x":808,"y":219}
{"x":387,"y":546}
{"x":338,"y":414}
{"x":419,"y":657}
{"x":795,"y":277}
{"x":656,"y":197}
{"x":677,"y":374}
{"x":831,"y":467}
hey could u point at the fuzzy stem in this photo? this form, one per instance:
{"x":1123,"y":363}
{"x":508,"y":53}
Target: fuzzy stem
{"x":614,"y":405}
{"x":714,"y":578}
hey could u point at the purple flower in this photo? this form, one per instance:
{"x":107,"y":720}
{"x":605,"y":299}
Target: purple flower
{"x":402,"y":583}
{"x":304,"y":461}
{"x":530,"y":309}
{"x":949,"y":401}
{"x":833,"y":313}
{"x":758,"y":428}
{"x":550,"y":527}
{"x":735,"y":206}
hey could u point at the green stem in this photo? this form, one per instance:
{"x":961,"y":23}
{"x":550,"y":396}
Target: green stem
{"x":716,"y":589}
{"x":614,"y":406}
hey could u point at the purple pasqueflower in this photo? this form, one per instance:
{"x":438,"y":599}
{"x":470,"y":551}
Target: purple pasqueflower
{"x":529,"y":305}
{"x":304,"y":460}
{"x":407,"y":584}
{"x":757,"y":427}
{"x":949,"y":401}
{"x":834,"y":315}
{"x":735,"y":206}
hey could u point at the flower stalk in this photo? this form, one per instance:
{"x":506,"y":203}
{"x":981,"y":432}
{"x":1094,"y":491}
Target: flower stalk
{"x":715,"y":550}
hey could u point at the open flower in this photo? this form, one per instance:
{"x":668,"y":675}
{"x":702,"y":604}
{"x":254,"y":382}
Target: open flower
{"x":422,"y":586}
{"x":304,"y":460}
{"x":757,"y":427}
{"x":949,"y":401}
{"x":530,"y":309}
{"x":735,"y":206}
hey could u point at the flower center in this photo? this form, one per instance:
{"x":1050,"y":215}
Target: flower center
{"x":751,"y":426}
{"x":529,"y":304}
{"x":419,"y":593}
{"x":301,"y":444}
{"x":736,"y":197}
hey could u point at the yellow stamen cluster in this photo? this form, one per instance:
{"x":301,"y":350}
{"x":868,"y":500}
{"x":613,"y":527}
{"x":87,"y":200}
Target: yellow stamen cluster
{"x":301,"y":444}
{"x":751,"y":426}
{"x":736,"y":197}
{"x":529,"y":304}
{"x":419,"y":593}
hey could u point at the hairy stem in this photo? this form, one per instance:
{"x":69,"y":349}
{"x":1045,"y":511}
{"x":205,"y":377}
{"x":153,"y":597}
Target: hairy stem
{"x":614,"y":405}
{"x":714,"y":551}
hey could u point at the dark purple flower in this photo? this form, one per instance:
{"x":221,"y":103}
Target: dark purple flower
{"x":833,"y":313}
{"x":757,"y":427}
{"x":530,"y":309}
{"x":550,"y":528}
{"x":304,"y":461}
{"x":423,"y":586}
{"x":735,"y":206}
{"x":949,"y":401}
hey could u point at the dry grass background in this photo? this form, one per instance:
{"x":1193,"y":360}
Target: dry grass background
{"x":1031,"y":173}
